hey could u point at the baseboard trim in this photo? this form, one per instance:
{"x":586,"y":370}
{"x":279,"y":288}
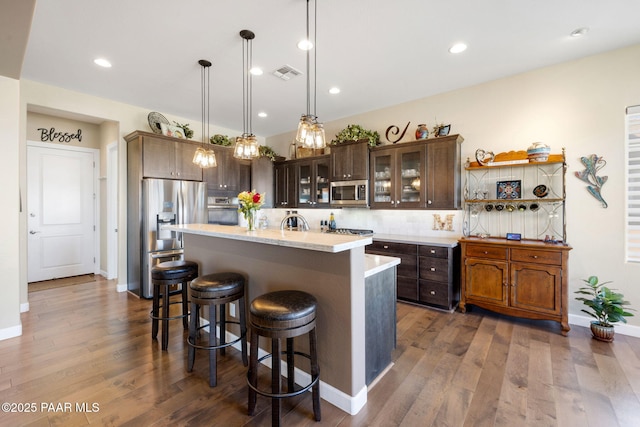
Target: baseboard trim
{"x":621,"y":328}
{"x":11,"y":332}
{"x":24,"y":307}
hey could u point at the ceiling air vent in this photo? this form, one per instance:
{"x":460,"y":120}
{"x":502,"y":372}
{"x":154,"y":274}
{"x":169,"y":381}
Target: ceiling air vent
{"x":286,"y":72}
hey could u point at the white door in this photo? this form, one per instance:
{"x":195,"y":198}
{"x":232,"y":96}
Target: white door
{"x":61,"y":212}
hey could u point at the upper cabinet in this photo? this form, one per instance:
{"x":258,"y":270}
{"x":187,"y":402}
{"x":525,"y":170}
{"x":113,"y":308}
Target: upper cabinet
{"x":285,"y":185}
{"x":230,"y":176}
{"x":313,"y":182}
{"x":422,"y":174}
{"x":163,"y":157}
{"x":350,"y":161}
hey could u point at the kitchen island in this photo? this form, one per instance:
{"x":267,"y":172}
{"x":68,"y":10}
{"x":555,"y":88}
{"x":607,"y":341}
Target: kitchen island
{"x":331,"y":267}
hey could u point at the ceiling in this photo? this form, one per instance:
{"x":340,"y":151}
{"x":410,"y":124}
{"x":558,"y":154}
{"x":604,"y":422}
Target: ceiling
{"x":379,"y":52}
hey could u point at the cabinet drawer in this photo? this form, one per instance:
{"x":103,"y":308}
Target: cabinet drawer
{"x":537,"y":257}
{"x":433,"y":251}
{"x":434,"y":269}
{"x":486,"y":251}
{"x":393,"y":248}
{"x":436,"y":293}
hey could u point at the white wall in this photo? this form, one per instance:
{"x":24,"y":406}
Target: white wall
{"x":114,"y":115}
{"x":579,"y":105}
{"x":10,"y":325}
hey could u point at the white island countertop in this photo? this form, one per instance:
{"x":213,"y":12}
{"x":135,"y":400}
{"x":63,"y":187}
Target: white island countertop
{"x":310,"y":240}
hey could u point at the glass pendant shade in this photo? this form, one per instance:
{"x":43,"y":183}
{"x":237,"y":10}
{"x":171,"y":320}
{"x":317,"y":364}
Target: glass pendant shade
{"x":205,"y":158}
{"x":246,"y":144}
{"x":246,"y":147}
{"x":310,"y":132}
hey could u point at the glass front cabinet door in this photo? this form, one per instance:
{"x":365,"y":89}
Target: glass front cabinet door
{"x":396,"y":176}
{"x":313,"y":183}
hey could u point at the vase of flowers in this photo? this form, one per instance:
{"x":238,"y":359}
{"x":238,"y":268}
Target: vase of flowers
{"x":250,"y":202}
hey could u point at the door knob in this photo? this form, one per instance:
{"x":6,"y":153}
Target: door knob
{"x":33,"y":232}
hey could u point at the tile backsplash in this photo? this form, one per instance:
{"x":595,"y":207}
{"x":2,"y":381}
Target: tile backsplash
{"x":404,"y":222}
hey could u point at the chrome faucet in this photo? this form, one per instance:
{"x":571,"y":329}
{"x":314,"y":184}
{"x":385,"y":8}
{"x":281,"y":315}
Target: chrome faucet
{"x":285,"y":222}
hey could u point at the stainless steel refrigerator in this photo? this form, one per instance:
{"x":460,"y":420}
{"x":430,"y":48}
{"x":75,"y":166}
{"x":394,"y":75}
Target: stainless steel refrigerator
{"x":161,"y":202}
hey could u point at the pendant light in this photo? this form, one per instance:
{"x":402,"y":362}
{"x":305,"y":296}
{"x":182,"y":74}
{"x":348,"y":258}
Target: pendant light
{"x":310,"y":132}
{"x":205,"y":158}
{"x":246,"y":144}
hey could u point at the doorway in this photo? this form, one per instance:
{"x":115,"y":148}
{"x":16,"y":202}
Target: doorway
{"x":61,"y":211}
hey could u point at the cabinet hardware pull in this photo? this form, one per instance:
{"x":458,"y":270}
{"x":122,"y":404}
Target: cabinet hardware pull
{"x":534,"y":256}
{"x":432,"y":292}
{"x":432,"y":251}
{"x":433,"y":269}
{"x":486,"y":252}
{"x":386,"y":247}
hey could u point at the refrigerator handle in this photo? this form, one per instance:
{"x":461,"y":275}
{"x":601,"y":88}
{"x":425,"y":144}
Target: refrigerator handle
{"x":180,"y":212}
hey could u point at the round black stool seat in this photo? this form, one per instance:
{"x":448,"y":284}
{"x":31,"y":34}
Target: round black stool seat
{"x":163,"y":276}
{"x":277,"y":315}
{"x":216,"y":290}
{"x":174,"y":270}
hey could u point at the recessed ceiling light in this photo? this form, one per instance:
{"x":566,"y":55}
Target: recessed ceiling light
{"x":334,"y":90}
{"x":457,"y":48}
{"x":579,"y":32}
{"x":256,"y":71}
{"x":305,"y":45}
{"x":102,"y":62}
{"x":262,"y":114}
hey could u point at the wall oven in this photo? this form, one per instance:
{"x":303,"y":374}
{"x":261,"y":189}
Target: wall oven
{"x":350,"y":193}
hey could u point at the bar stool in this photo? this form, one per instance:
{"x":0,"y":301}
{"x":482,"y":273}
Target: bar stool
{"x":276,"y":315}
{"x":215,"y":290}
{"x":163,"y":275}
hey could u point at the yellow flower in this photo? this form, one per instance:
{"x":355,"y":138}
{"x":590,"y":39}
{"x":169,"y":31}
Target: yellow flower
{"x":250,"y":201}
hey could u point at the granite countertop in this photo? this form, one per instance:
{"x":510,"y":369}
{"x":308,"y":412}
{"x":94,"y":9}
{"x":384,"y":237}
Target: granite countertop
{"x":418,"y":240}
{"x":310,"y":240}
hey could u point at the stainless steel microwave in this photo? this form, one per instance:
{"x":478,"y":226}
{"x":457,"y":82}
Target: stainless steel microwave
{"x":350,"y":193}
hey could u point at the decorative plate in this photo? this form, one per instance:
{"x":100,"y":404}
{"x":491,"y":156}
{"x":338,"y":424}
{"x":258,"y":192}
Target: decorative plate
{"x":540,"y":191}
{"x":171,"y":130}
{"x":155,"y":120}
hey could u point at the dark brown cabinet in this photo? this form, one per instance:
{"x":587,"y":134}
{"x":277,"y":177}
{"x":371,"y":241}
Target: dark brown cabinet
{"x":285,"y":185}
{"x":350,"y":161}
{"x":163,"y":157}
{"x":524,"y":279}
{"x":438,"y":276}
{"x":396,"y":173}
{"x":421,"y":174}
{"x":230,"y":176}
{"x":313,"y":182}
{"x":427,"y":274}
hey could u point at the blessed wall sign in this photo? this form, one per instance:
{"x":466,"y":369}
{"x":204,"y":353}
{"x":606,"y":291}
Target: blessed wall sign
{"x":51,"y":135}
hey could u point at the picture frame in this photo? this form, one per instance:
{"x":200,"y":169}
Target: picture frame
{"x":509,"y":190}
{"x":444,"y":130}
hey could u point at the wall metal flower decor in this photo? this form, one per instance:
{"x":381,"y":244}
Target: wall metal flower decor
{"x":593,"y":164}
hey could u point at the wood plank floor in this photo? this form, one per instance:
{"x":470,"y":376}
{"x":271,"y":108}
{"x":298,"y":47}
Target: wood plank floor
{"x":88,"y":345}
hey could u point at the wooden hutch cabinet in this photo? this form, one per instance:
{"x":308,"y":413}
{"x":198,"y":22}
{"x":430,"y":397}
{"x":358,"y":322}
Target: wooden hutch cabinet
{"x":518,"y":278}
{"x":528,"y":277}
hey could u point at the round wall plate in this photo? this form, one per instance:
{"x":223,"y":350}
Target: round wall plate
{"x":155,"y":119}
{"x":540,"y":191}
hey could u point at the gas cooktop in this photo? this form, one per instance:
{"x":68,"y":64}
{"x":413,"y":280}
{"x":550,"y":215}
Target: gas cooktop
{"x":352,"y":231}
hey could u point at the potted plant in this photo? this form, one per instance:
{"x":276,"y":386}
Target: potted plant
{"x":266,"y":151}
{"x":605,"y":305}
{"x":220,"y":140}
{"x":357,"y":133}
{"x":188,"y":133}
